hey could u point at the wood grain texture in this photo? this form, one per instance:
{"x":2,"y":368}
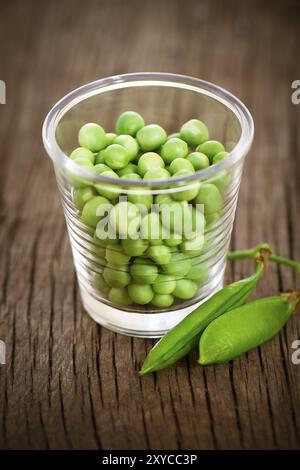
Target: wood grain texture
{"x":68,"y":383}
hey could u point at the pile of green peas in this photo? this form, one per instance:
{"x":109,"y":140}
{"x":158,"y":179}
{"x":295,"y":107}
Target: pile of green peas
{"x":154,"y":270}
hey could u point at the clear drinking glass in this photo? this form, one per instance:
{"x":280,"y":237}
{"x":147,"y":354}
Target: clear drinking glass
{"x":169,"y":100}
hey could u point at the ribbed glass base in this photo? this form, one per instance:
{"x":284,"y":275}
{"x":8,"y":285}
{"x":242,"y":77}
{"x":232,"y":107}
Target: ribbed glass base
{"x":142,"y":325}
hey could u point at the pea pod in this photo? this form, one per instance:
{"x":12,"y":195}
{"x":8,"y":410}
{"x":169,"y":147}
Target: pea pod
{"x":246,"y":327}
{"x":184,"y":336}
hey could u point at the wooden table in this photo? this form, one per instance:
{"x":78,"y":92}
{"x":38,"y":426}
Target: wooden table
{"x":68,"y":383}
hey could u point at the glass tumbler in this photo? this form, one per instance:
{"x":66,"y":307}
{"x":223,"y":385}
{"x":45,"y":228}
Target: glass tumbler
{"x":155,"y":248}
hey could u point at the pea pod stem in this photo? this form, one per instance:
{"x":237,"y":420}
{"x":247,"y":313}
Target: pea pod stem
{"x":292,"y":296}
{"x":251,"y":253}
{"x":285,"y":262}
{"x":255,"y":252}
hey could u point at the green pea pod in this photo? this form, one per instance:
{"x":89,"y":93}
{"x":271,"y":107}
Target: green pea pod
{"x":184,"y":336}
{"x":245,"y":328}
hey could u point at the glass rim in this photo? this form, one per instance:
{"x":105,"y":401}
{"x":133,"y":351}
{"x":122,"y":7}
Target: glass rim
{"x":128,"y":80}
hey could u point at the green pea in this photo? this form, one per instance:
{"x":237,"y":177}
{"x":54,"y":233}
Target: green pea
{"x":115,"y":255}
{"x":128,"y":169}
{"x":140,"y":294}
{"x":101,"y":284}
{"x":157,"y":174}
{"x":83,"y":195}
{"x":137,"y":159}
{"x":82,"y":152}
{"x":188,"y":191}
{"x":134,"y":247}
{"x":104,"y":232}
{"x":197,"y":273}
{"x":89,"y":230}
{"x":174,"y":148}
{"x":193,"y":246}
{"x":176,"y":218}
{"x":97,"y":252}
{"x":244,"y":328}
{"x":174,"y":249}
{"x":125,"y":218}
{"x":100,"y":157}
{"x":162,"y":300}
{"x":131,"y":176}
{"x":198,"y":221}
{"x":129,"y":123}
{"x":119,"y":296}
{"x":175,"y":134}
{"x":83,"y":161}
{"x":104,"y":242}
{"x":164,"y":284}
{"x":199,"y":160}
{"x":194,"y":132}
{"x":110,"y":138}
{"x":160,"y":254}
{"x":212,"y":218}
{"x":130,"y":145}
{"x":100,"y":168}
{"x":179,"y":265}
{"x":210,"y":197}
{"x":107,"y":190}
{"x":185,"y":289}
{"x":188,"y":222}
{"x":143,"y":272}
{"x":116,"y":276}
{"x":174,"y":239}
{"x":92,"y":137}
{"x":210,"y":148}
{"x":221,"y":180}
{"x":96,"y":256}
{"x":151,"y":228}
{"x":116,"y":156}
{"x":181,"y":164}
{"x":91,"y":208}
{"x":219,"y":157}
{"x":151,"y":137}
{"x":163,"y":199}
{"x":149,"y":161}
{"x":77,"y":181}
{"x":142,"y":197}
